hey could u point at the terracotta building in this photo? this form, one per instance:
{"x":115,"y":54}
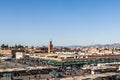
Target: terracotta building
{"x":50,"y":47}
{"x":6,"y":51}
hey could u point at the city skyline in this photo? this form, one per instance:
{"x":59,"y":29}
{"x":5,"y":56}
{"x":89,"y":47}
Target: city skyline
{"x":65,"y":22}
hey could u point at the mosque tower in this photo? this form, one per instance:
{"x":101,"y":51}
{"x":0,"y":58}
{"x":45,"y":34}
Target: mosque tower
{"x":50,"y":47}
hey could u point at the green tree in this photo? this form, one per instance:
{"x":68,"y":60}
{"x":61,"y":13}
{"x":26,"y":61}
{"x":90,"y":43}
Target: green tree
{"x":2,"y":46}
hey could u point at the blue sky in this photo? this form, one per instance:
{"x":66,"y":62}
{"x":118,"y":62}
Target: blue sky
{"x":65,"y":22}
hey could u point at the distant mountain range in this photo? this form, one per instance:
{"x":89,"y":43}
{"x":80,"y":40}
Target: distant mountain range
{"x":108,"y":45}
{"x":96,"y":45}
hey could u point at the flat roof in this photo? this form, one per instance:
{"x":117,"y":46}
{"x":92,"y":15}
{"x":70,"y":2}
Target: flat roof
{"x":100,"y":67}
{"x":27,"y":68}
{"x":91,"y":76}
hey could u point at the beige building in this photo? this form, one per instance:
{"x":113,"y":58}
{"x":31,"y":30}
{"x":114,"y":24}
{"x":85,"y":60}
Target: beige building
{"x":93,"y":50}
{"x":57,"y":57}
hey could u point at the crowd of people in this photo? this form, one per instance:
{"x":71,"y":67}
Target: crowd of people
{"x":64,"y":71}
{"x":30,"y":62}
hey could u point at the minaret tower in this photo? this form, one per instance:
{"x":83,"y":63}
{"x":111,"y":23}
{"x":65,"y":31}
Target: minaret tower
{"x":50,"y":47}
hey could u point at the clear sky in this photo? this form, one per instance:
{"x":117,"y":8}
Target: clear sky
{"x":65,"y":22}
